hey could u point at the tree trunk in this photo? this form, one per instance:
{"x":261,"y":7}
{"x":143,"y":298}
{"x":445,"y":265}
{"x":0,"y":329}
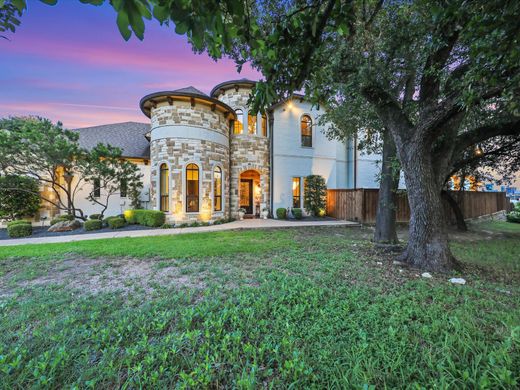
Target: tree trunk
{"x":385,"y":232}
{"x":459,"y":216}
{"x":428,"y":241}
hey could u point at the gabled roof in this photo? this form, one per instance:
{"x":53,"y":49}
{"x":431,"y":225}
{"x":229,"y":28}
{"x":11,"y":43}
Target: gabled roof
{"x":129,"y":136}
{"x":190,"y":89}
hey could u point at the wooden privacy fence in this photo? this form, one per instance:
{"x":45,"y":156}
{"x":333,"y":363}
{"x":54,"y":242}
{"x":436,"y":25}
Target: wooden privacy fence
{"x":361,"y":204}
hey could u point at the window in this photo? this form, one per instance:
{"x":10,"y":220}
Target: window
{"x":296,"y":192}
{"x":238,"y":128}
{"x":306,"y":130}
{"x":164,"y":187}
{"x":251,"y":124}
{"x":264,"y":125}
{"x":97,"y":188}
{"x":217,"y":189}
{"x":192,"y":188}
{"x":123,"y":188}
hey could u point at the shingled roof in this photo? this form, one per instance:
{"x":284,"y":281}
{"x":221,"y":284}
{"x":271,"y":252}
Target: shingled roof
{"x":129,"y":136}
{"x":190,"y":89}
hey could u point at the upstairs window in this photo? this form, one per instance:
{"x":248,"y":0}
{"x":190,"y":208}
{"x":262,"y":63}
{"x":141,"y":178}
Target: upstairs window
{"x":251,"y":124}
{"x":192,"y":188}
{"x":217,"y":189}
{"x":264,"y":125}
{"x":164,"y":185}
{"x":306,"y":131}
{"x":238,"y":127}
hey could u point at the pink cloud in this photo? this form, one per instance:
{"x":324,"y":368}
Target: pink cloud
{"x":74,"y":115}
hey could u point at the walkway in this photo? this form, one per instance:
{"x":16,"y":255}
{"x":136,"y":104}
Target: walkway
{"x":237,"y":225}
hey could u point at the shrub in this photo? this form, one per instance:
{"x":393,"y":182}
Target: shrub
{"x":151,"y":218}
{"x":93,"y":224}
{"x":166,"y":226}
{"x":61,"y":218}
{"x":116,"y":222}
{"x":194,"y":224}
{"x":298,"y":213}
{"x":513,"y":216}
{"x":315,"y":195}
{"x":183,"y":225}
{"x":18,"y":222}
{"x":19,"y":230}
{"x":18,"y":197}
{"x":281,"y":213}
{"x":96,"y":216}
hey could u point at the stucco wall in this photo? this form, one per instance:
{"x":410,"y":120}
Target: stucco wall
{"x":326,"y":158}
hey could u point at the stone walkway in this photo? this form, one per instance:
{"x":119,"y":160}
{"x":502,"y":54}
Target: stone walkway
{"x":245,"y":224}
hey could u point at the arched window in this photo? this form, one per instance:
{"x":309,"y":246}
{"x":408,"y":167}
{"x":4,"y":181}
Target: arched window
{"x":306,"y":130}
{"x":217,"y":189}
{"x":251,"y":124}
{"x":164,"y":186}
{"x":264,"y":125}
{"x":192,"y":188}
{"x":239,"y":122}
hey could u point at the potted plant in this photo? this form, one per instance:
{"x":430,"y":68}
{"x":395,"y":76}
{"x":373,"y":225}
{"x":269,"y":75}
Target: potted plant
{"x":241,"y":213}
{"x":265,"y":213}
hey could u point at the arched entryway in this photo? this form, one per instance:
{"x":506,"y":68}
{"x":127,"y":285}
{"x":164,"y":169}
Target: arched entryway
{"x":250,"y":195}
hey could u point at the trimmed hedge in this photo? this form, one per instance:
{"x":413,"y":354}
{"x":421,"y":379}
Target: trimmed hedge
{"x":18,"y":222}
{"x":93,"y":224}
{"x":151,"y":218}
{"x":116,"y":222}
{"x":513,"y":216}
{"x":298,"y":213}
{"x":96,"y":216}
{"x":281,"y":213}
{"x":19,"y":230}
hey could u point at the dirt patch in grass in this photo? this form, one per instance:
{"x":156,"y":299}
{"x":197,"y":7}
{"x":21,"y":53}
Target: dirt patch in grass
{"x":91,"y":276}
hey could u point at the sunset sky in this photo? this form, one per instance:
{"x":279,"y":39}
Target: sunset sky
{"x":69,"y":63}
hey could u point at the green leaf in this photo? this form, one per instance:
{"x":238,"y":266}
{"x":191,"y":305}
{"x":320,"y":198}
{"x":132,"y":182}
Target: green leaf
{"x":49,"y":2}
{"x":122,"y":24}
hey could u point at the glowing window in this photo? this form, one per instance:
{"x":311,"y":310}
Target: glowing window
{"x":217,"y":189}
{"x":238,"y":128}
{"x":192,"y":188}
{"x":306,"y":130}
{"x":296,"y":191}
{"x":264,"y":125}
{"x":164,"y":185}
{"x":251,"y":124}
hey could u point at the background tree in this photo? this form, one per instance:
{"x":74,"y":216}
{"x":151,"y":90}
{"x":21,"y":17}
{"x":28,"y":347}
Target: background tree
{"x":38,"y":148}
{"x":18,"y":197}
{"x":115,"y":175}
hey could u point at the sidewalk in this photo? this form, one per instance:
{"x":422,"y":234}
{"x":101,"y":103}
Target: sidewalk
{"x":245,"y":224}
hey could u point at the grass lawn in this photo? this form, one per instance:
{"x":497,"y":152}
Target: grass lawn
{"x":301,"y":308}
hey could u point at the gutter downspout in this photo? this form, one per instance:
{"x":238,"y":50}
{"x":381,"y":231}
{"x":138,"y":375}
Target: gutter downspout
{"x":354,"y":149}
{"x":270,"y":117}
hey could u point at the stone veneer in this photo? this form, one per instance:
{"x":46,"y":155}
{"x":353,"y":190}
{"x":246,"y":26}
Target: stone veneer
{"x":177,"y":152}
{"x":248,"y":151}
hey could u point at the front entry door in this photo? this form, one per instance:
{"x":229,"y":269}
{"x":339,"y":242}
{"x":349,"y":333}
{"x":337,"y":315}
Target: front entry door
{"x":246,"y":195}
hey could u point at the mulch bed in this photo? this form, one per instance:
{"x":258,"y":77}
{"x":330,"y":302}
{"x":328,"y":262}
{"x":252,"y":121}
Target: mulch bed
{"x":42,"y":231}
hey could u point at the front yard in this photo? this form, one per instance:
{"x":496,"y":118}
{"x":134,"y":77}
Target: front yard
{"x":307,"y":307}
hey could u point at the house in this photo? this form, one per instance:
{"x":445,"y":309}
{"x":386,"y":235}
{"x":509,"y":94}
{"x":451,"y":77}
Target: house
{"x":205,"y":156}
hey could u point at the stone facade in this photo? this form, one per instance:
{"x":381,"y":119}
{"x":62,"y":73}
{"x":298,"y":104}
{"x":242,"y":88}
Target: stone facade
{"x":184,"y":133}
{"x":248,"y":151}
{"x":177,"y":153}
